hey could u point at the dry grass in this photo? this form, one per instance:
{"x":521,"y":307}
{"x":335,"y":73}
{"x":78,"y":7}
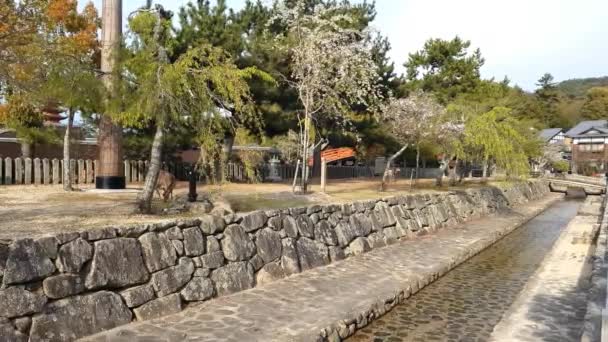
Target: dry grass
{"x":37,"y":210}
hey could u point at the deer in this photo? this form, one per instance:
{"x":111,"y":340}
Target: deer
{"x":165,"y":182}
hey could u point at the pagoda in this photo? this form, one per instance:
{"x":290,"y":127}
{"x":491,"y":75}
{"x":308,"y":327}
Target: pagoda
{"x":51,"y":113}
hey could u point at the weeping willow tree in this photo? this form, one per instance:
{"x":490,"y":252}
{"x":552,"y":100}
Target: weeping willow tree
{"x":192,"y":89}
{"x":498,"y":137}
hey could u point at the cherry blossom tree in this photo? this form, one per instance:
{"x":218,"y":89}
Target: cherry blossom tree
{"x":331,"y":64}
{"x":411,"y":121}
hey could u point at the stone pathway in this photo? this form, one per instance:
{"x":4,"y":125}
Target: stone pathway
{"x":552,"y":306}
{"x":331,"y":300}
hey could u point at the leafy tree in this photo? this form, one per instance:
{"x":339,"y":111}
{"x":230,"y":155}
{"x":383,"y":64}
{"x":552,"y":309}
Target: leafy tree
{"x":596,"y":104}
{"x":548,"y":96}
{"x":497,"y":136}
{"x":193,"y":87}
{"x":444,"y":68}
{"x":411,"y":120}
{"x":331,"y":66}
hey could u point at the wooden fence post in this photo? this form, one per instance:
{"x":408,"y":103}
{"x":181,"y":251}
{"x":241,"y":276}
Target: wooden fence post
{"x":140,"y":170}
{"x":8,"y":171}
{"x":127,"y":171}
{"x":323,"y":174}
{"x":46,"y":171}
{"x":1,"y":171}
{"x":37,"y":174}
{"x":89,"y":171}
{"x":134,"y":175}
{"x":72,"y":167}
{"x":28,"y":171}
{"x":56,"y":171}
{"x":95,"y":169}
{"x":82,"y":174}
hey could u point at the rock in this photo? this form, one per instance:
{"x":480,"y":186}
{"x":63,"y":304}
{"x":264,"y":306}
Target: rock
{"x":63,"y":238}
{"x":48,"y":243}
{"x":358,"y":246}
{"x":212,"y":244}
{"x":194,"y":244}
{"x":73,"y":255}
{"x":269,"y":273}
{"x":158,"y":251}
{"x":23,"y":325}
{"x":360,"y":224}
{"x":17,"y":302}
{"x":237,"y":244}
{"x":257,"y":262}
{"x":290,"y":226}
{"x":211,"y":224}
{"x":289,"y":257}
{"x":100,"y":234}
{"x":27,"y":261}
{"x":202,"y":272}
{"x":324,"y":232}
{"x":345,"y":233}
{"x":9,"y":334}
{"x":186,"y":223}
{"x":63,"y":285}
{"x":174,"y":233}
{"x":117,"y":263}
{"x":173,"y":278}
{"x":311,"y":253}
{"x":276,"y":223}
{"x":254,"y":221}
{"x":212,"y":260}
{"x":376,"y":240}
{"x":159,"y":307}
{"x":138,"y":295}
{"x":305,"y":226}
{"x":198,"y":289}
{"x":179,"y":247}
{"x":315,"y":218}
{"x":233,"y":277}
{"x":4,"y":248}
{"x":268,"y":243}
{"x":132,"y":231}
{"x":74,"y":317}
{"x":336,"y":253}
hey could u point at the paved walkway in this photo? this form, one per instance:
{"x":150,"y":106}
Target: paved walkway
{"x":552,"y":306}
{"x":344,"y":295}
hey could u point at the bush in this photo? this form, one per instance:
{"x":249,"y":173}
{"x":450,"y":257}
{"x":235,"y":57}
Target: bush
{"x":561,"y":166}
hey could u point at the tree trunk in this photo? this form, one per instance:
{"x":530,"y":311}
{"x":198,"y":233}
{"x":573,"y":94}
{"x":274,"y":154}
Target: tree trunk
{"x":26,"y":149}
{"x":305,"y":154}
{"x":484,"y":174}
{"x":417,"y":161}
{"x":67,"y":175}
{"x":144,"y":199}
{"x":389,"y":162}
{"x":111,"y":171}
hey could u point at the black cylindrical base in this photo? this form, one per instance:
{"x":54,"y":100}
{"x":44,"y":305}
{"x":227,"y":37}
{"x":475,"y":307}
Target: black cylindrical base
{"x":110,"y":182}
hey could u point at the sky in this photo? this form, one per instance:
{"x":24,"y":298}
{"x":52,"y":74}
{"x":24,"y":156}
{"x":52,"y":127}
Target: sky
{"x":521,"y":39}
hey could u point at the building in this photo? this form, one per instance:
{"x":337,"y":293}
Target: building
{"x":81,"y":148}
{"x":588,"y":144}
{"x":552,"y":135}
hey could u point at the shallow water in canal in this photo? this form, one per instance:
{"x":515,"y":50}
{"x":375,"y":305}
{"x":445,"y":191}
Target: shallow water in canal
{"x":466,"y":303}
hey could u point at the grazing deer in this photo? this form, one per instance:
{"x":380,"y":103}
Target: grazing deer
{"x":165,"y":182}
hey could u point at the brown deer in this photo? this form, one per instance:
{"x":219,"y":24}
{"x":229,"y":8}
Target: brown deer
{"x":165,"y":182}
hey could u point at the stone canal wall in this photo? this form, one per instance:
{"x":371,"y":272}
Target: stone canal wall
{"x":69,"y":285}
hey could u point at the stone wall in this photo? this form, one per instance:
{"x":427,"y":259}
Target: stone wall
{"x":62,"y":287}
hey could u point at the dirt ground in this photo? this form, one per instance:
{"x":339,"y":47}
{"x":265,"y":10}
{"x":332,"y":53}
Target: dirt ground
{"x":39,"y":210}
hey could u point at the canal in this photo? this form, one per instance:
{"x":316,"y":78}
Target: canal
{"x":466,"y":303}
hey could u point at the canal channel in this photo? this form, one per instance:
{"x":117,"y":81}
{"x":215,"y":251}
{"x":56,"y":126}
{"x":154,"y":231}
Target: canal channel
{"x":466,"y":303}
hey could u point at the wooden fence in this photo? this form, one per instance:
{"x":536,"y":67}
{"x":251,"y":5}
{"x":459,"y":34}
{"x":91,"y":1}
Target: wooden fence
{"x":50,"y":171}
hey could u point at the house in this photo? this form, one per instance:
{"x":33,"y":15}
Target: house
{"x":588,"y":143}
{"x":552,"y":135}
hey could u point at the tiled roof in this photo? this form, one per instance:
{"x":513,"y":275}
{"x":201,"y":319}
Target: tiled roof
{"x":548,"y":133}
{"x":586,"y":125}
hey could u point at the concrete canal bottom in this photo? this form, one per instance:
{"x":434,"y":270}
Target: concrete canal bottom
{"x":466,"y":303}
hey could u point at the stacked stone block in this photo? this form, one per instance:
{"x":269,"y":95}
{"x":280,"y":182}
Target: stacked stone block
{"x":63,"y":287}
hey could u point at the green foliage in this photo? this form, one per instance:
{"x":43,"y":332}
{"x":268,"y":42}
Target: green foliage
{"x":250,"y":159}
{"x":578,"y":87}
{"x":560,"y":166}
{"x":596,"y":104}
{"x":498,"y":136}
{"x":444,"y":68}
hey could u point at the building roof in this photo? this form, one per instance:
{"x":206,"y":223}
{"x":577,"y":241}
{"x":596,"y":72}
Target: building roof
{"x":584,"y":126}
{"x":548,"y":133}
